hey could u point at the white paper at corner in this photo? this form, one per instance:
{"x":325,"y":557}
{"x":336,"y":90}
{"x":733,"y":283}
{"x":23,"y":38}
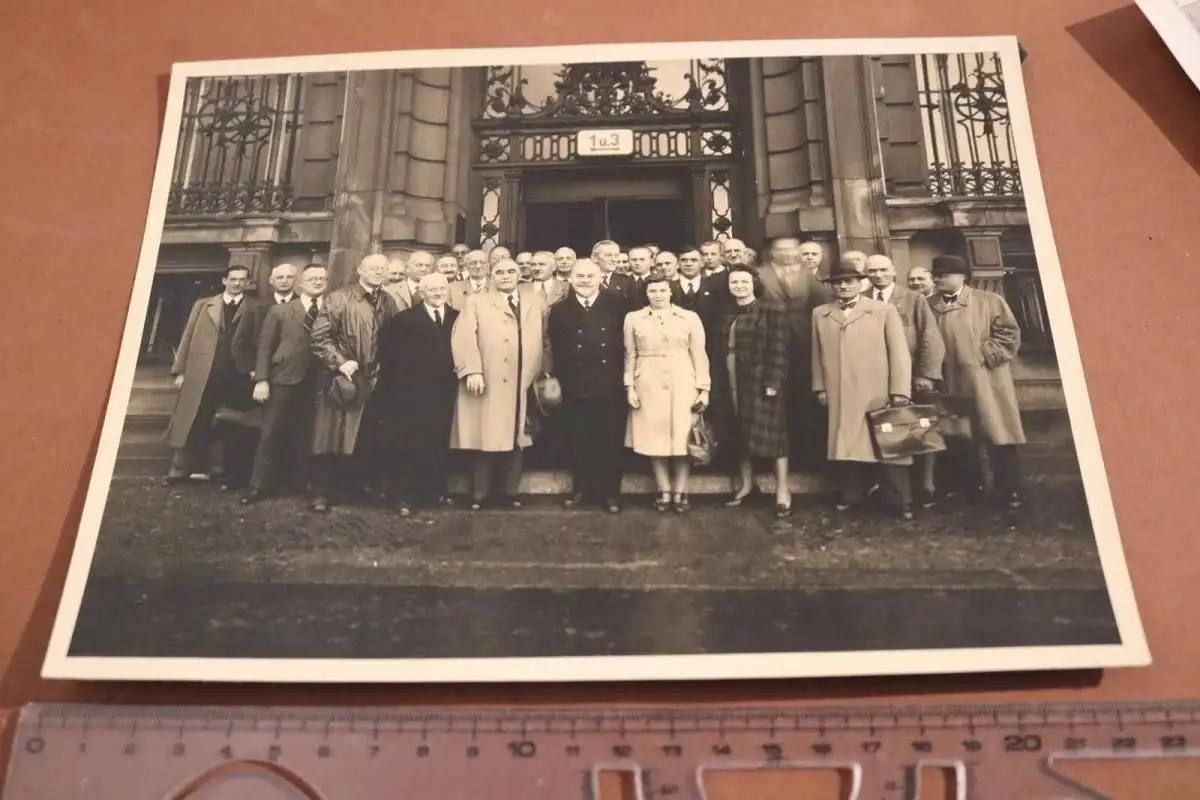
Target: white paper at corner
{"x":1178,"y":25}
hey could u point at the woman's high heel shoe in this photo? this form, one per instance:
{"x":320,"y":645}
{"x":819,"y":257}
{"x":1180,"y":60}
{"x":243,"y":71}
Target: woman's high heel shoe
{"x":682,"y":505}
{"x":748,"y":497}
{"x":663,"y":502}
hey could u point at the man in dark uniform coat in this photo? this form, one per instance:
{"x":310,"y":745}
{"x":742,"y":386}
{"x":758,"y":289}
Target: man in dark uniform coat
{"x":413,"y":402}
{"x":586,"y":332}
{"x":285,"y":383}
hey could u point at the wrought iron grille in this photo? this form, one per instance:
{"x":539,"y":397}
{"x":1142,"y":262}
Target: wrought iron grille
{"x":237,"y":146}
{"x":968,"y":132}
{"x":606,"y":89}
{"x":489,"y":228}
{"x":720,"y":203}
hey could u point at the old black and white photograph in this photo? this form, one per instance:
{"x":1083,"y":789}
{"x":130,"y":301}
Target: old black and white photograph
{"x":622,"y":362}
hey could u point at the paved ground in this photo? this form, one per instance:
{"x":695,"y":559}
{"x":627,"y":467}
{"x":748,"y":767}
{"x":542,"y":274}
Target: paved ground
{"x":187,"y":571}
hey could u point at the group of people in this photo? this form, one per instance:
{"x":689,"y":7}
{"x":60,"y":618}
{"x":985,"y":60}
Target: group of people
{"x":377,"y":383}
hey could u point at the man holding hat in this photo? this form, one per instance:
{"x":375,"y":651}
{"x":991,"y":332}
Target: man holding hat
{"x":344,"y":340}
{"x":982,"y":338}
{"x":861,"y":363}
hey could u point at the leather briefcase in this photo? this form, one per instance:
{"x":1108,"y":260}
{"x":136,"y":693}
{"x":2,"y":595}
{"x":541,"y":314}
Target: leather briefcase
{"x":905,"y":431}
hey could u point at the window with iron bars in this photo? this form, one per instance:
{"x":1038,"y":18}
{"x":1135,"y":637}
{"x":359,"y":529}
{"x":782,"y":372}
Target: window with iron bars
{"x":967,"y":129}
{"x":236,"y":146}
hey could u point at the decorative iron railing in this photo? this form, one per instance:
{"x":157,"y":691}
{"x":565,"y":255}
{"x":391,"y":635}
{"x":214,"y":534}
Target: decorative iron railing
{"x":606,"y":90}
{"x":237,"y":146}
{"x":968,"y":131}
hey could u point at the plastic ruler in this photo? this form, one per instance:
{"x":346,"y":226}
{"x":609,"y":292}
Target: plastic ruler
{"x":69,"y":752}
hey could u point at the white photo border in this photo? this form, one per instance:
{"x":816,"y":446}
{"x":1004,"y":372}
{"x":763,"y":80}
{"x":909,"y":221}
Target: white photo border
{"x":1133,"y":651}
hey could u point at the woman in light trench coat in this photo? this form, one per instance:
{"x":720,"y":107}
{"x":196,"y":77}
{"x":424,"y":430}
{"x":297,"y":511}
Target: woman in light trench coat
{"x":667,"y":382}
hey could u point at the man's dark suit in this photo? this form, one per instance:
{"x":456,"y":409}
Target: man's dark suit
{"x":412,"y":405}
{"x":626,"y":288}
{"x":587,"y":356}
{"x":708,"y":303}
{"x":285,"y":361}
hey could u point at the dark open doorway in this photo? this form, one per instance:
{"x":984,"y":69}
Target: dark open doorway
{"x":653,"y":221}
{"x":576,"y":209}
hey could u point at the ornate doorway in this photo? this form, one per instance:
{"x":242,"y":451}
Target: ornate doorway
{"x":677,"y":121}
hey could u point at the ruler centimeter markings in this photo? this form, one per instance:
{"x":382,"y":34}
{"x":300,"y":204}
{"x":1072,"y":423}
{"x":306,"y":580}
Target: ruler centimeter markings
{"x":145,"y":753}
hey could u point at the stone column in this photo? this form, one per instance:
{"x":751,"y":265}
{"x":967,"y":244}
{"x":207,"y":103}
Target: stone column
{"x":256,"y":257}
{"x":899,"y":251}
{"x":855,"y":159}
{"x":986,"y":258}
{"x":361,"y":179}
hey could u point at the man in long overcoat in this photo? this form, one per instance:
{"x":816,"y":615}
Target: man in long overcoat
{"x":497,"y":343}
{"x":344,"y":340}
{"x":210,"y":372}
{"x":792,"y":289}
{"x":925,"y":345}
{"x":982,"y":338}
{"x":412,"y":407}
{"x":860,"y":364}
{"x":284,"y":377}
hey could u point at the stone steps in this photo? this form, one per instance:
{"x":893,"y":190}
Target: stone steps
{"x":143,"y":453}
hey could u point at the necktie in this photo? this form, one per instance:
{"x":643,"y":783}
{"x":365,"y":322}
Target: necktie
{"x":437,"y":316}
{"x":512,"y":303}
{"x":310,"y":316}
{"x":691,"y":290}
{"x":604,"y":281}
{"x":949,"y":298}
{"x":879,"y":295}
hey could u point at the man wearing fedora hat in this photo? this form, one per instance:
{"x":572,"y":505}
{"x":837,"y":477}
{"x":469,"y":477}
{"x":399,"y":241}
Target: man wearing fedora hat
{"x":982,"y":338}
{"x":861,"y":363}
{"x":586,"y":337}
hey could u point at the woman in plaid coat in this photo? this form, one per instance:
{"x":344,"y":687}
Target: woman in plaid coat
{"x":750,"y":372}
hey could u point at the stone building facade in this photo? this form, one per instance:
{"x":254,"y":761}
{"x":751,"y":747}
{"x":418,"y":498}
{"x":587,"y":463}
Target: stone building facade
{"x":907,"y":155}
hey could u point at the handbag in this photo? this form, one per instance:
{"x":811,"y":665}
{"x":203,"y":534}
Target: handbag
{"x":905,"y":431}
{"x":701,"y":443}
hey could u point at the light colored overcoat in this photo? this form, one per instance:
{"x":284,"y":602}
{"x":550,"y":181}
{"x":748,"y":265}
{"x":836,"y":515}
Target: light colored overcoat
{"x":982,"y":338}
{"x":666,"y":362}
{"x":196,"y":354}
{"x":860,"y":359}
{"x":486,"y":341}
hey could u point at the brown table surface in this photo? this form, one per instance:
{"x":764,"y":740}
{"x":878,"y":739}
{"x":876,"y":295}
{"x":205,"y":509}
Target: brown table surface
{"x":1118,"y":136}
